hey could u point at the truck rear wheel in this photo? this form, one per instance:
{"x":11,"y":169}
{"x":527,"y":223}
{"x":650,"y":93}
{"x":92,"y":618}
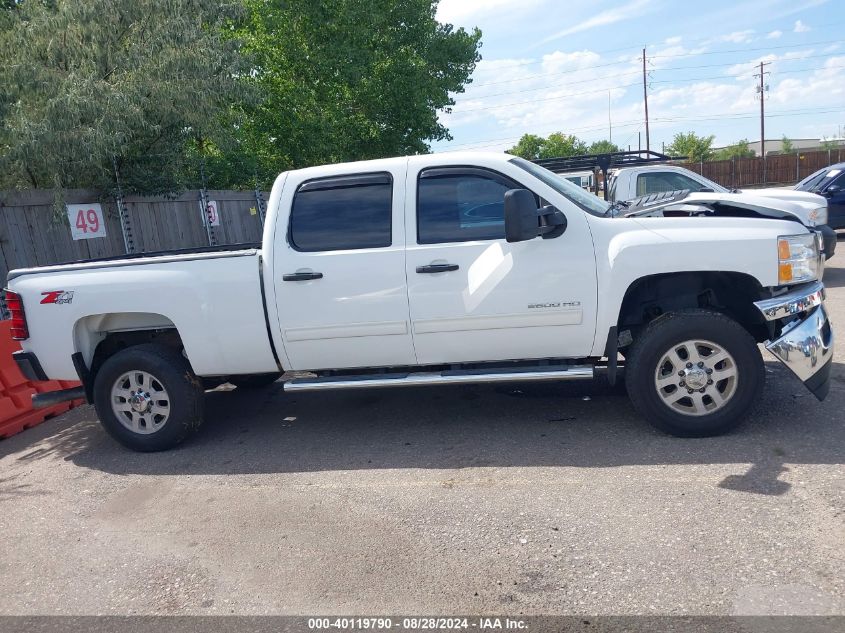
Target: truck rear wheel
{"x":148,"y":398}
{"x":694,"y":373}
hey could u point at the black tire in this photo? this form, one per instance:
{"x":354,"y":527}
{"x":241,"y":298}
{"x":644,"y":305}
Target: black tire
{"x":174,"y":373}
{"x":673,"y":329}
{"x":256,"y":381}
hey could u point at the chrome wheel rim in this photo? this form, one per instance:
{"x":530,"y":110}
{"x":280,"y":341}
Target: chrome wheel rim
{"x":140,"y":402}
{"x":696,"y":377}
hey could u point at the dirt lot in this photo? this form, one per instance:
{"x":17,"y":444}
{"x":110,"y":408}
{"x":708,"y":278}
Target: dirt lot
{"x":535,"y":499}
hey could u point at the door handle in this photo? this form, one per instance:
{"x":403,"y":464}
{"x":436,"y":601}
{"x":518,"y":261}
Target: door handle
{"x":437,"y":268}
{"x":301,"y":276}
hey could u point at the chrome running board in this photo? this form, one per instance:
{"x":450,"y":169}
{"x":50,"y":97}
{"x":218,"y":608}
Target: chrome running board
{"x":426,"y":379}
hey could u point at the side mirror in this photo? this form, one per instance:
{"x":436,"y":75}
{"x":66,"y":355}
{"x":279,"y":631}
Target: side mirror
{"x":524,"y":221}
{"x":830,"y":191}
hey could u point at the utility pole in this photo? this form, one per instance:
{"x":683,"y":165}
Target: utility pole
{"x":762,"y":89}
{"x":609,"y":123}
{"x":645,"y":101}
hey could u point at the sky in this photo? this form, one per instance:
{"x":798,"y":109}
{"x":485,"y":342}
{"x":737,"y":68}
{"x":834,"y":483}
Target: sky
{"x":570,"y":65}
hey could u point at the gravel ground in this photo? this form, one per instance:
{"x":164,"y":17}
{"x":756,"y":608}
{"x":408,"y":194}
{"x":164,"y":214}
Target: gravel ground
{"x":534,"y":499}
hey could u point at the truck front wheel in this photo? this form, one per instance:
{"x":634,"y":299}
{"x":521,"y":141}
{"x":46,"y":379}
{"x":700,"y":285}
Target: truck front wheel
{"x":148,"y":398}
{"x":694,"y":373}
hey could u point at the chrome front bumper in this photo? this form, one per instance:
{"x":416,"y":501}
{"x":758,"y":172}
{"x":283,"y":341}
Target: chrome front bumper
{"x":805,"y":345}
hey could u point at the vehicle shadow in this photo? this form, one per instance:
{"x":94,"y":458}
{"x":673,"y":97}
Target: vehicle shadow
{"x":834,"y":276}
{"x":588,"y":425}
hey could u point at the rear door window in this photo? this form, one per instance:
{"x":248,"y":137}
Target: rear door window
{"x":342,"y":213}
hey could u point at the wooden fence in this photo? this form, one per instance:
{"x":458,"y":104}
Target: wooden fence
{"x":33,"y":234}
{"x":781,"y":169}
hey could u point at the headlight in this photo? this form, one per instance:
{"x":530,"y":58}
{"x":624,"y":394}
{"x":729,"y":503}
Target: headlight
{"x":818,"y":216}
{"x":798,"y":258}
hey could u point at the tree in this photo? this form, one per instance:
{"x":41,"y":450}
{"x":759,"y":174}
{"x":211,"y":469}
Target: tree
{"x":528,"y":147}
{"x":344,"y":80}
{"x":739,"y":149}
{"x":695,"y":148}
{"x":787,"y":146}
{"x":88,"y":81}
{"x":603,"y":147}
{"x":830,"y":143}
{"x":556,"y":145}
{"x":559,"y":144}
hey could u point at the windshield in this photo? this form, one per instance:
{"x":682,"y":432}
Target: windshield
{"x":815,"y":181}
{"x":572,"y":192}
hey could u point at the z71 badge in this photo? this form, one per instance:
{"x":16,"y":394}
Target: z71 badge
{"x":57,"y":296}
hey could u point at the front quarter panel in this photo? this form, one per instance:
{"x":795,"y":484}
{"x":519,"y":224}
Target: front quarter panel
{"x":629,"y":249}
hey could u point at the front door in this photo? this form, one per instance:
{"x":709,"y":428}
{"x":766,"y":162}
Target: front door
{"x":339,"y":270}
{"x":475,"y":297}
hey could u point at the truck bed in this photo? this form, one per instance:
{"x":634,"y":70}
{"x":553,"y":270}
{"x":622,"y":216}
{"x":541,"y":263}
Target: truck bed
{"x":203,"y":252}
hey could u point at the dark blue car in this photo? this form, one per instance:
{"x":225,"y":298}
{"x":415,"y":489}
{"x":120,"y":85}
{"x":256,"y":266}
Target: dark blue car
{"x":830,"y":183}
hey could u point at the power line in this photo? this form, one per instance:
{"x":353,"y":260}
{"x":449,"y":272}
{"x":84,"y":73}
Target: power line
{"x":656,"y":70}
{"x":567,"y":96}
{"x":733,"y":116}
{"x":578,"y":94}
{"x":637,"y":59}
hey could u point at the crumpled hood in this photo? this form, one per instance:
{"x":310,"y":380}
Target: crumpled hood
{"x":708,"y":203}
{"x":814,"y":200}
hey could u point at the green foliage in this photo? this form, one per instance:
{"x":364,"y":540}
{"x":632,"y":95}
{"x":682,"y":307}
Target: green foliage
{"x":829,"y":144}
{"x":695,"y":148}
{"x":739,"y":149}
{"x":87,"y":80}
{"x":528,"y":147}
{"x":787,"y":145}
{"x":344,"y":80}
{"x":603,"y":147}
{"x":246,"y":87}
{"x":556,"y":145}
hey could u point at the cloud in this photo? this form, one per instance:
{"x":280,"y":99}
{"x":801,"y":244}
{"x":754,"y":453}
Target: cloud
{"x":458,"y":11}
{"x":774,"y":35}
{"x":800,"y":27}
{"x":738,"y":37}
{"x":633,"y":9}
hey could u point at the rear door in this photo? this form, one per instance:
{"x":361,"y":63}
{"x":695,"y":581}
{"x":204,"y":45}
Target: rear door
{"x":339,"y":270}
{"x":475,"y":297}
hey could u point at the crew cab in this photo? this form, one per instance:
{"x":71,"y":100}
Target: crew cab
{"x":436,"y":270}
{"x":811,"y":208}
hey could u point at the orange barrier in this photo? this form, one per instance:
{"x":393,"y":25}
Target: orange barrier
{"x":16,"y":412}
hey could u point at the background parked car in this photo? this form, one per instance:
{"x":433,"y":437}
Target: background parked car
{"x":830,"y":183}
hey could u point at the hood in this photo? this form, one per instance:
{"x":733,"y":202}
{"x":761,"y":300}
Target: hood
{"x":684,"y":203}
{"x":813,"y":200}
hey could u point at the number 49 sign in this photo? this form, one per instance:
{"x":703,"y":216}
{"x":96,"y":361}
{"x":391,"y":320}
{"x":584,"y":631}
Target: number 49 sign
{"x":86,"y":221}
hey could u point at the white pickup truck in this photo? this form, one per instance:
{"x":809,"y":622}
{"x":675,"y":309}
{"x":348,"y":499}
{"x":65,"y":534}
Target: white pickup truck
{"x":433,"y":270}
{"x":629,"y":183}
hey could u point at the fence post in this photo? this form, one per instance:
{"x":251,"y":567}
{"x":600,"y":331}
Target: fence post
{"x":259,"y":202}
{"x":206,"y":221}
{"x":123,"y":214}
